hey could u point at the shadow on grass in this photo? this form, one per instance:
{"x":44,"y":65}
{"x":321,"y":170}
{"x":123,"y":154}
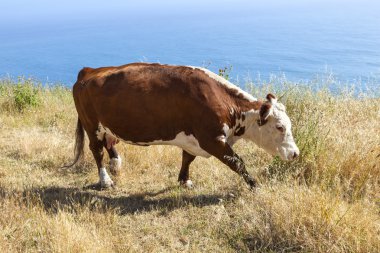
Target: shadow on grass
{"x":54,"y":199}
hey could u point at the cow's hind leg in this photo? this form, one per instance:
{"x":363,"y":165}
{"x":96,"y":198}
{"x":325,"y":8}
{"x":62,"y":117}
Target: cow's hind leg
{"x":183,"y":177}
{"x":96,"y":147}
{"x":225,"y":154}
{"x":115,"y":160}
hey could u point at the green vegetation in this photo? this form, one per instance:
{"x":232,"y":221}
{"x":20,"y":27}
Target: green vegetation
{"x":22,"y":95}
{"x":328,"y":200}
{"x":225,"y":72}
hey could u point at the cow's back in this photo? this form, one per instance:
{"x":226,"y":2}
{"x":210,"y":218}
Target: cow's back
{"x":146,"y":102}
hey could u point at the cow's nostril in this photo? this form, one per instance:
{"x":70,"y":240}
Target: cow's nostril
{"x":295,"y":155}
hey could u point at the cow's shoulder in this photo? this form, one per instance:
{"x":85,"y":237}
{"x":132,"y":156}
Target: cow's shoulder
{"x":84,"y":72}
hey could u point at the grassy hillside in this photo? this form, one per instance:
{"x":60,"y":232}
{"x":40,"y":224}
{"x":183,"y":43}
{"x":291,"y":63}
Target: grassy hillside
{"x":326,"y":201}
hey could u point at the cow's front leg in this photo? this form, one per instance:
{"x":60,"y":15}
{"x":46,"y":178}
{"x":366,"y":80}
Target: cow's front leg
{"x":183,"y":176}
{"x":225,"y":154}
{"x":237,"y":165}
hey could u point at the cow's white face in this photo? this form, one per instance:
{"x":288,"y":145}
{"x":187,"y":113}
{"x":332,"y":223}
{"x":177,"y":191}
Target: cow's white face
{"x":272,"y":131}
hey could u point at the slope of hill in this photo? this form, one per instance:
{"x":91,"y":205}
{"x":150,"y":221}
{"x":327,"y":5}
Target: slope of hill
{"x":326,"y":201}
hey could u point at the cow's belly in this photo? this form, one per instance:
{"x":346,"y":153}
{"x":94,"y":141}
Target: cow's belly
{"x":187,"y":142}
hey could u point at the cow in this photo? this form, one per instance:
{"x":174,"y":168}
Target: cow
{"x":188,"y":107}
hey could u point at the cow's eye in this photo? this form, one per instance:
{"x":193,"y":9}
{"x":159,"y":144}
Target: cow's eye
{"x":280,"y":128}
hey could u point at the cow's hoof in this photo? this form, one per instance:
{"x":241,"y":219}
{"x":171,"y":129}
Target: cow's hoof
{"x":252,"y":183}
{"x":115,"y":166}
{"x":106,"y":184}
{"x":187,"y":184}
{"x":104,"y":179}
{"x":254,"y":187}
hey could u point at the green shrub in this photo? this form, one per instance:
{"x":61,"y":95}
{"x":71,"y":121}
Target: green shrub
{"x":225,"y":72}
{"x":25,"y":95}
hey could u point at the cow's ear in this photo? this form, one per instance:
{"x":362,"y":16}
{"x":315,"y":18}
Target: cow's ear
{"x":271,"y":98}
{"x":265,"y":111}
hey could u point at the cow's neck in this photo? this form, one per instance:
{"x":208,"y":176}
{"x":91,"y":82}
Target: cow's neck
{"x":243,"y":116}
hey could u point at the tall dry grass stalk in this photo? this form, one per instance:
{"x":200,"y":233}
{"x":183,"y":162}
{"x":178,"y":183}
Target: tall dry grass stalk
{"x":326,"y":201}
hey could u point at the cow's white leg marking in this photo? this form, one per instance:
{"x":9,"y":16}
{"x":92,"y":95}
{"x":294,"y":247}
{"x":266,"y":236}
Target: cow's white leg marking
{"x":105,"y":180}
{"x":115,"y":165}
{"x":187,"y":184}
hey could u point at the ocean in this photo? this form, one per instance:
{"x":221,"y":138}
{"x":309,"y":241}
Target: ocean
{"x":252,"y":43}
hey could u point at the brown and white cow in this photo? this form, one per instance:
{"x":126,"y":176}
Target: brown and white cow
{"x":189,"y":107}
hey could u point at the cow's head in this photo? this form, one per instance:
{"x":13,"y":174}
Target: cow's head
{"x":272,"y":130}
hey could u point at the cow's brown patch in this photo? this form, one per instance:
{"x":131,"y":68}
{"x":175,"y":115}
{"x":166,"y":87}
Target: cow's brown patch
{"x":264,"y":111}
{"x":270,"y":96}
{"x":239,"y":131}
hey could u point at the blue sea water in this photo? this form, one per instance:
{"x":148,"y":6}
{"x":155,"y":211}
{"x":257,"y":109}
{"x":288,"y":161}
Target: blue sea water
{"x":298,"y":41}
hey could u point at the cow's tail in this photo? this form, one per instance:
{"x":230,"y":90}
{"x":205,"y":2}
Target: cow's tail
{"x":79,"y":145}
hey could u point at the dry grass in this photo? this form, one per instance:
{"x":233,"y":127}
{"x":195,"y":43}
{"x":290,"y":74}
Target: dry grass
{"x":327,"y":201}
